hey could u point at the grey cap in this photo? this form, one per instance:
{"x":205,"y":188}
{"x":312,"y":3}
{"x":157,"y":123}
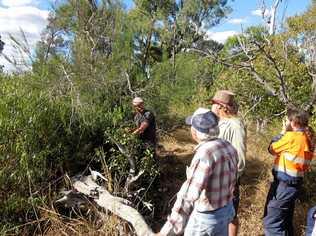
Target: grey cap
{"x":203,"y":120}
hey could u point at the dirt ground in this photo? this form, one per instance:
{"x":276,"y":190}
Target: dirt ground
{"x":176,"y":151}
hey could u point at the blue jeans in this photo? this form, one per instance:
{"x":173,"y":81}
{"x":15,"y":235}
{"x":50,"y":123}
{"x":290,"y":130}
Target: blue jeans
{"x":279,"y":209}
{"x":211,"y":223}
{"x":310,"y":221}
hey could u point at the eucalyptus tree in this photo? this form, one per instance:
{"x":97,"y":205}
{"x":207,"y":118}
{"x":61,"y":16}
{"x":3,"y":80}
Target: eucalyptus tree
{"x":272,"y":71}
{"x":164,"y":28}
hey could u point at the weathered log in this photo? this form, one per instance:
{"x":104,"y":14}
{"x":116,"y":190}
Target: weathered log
{"x":118,"y":206}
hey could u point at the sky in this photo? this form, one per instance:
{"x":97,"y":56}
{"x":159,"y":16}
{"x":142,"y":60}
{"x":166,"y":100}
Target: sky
{"x":31,"y":17}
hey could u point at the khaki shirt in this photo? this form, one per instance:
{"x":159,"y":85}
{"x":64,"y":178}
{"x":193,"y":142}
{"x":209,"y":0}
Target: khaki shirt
{"x":233,"y":130}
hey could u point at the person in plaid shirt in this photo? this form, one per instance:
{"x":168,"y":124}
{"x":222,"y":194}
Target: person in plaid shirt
{"x":204,"y":203}
{"x":311,"y":222}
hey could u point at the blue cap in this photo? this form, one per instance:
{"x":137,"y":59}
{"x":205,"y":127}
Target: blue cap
{"x":203,"y":120}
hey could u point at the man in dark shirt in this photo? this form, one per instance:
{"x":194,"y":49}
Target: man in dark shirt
{"x":145,"y":122}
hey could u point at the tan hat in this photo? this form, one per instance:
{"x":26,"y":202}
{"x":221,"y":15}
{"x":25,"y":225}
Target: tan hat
{"x":137,"y":101}
{"x":224,"y":97}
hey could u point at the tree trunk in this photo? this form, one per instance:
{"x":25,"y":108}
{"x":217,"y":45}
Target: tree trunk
{"x":116,"y":205}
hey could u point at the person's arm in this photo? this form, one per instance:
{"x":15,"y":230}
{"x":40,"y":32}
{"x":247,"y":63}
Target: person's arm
{"x":279,"y":146}
{"x":197,"y":176}
{"x":143,"y":126}
{"x":239,"y":143}
{"x":314,"y":229}
{"x":273,"y":140}
{"x":148,"y":118}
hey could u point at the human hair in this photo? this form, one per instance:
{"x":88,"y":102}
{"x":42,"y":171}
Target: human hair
{"x":310,"y":133}
{"x":300,"y":118}
{"x":229,"y":110}
{"x":205,"y":137}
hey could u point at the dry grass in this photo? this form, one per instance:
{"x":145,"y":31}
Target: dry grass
{"x":175,"y":153}
{"x":89,"y":219}
{"x":93,"y":224}
{"x":255,"y":182}
{"x":254,"y":185}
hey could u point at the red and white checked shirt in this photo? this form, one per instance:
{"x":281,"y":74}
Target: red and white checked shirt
{"x":210,"y":183}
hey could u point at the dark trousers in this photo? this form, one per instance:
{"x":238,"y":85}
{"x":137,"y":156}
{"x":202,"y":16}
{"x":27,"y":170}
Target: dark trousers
{"x":279,"y":209}
{"x":310,"y":221}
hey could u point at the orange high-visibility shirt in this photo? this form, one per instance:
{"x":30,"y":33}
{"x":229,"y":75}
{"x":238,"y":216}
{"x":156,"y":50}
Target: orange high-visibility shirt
{"x":293,"y":155}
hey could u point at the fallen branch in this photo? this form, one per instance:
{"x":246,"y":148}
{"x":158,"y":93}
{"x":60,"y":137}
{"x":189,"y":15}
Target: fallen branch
{"x":118,"y":206}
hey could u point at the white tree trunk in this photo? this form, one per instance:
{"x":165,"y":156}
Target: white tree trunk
{"x":272,"y":25}
{"x":116,"y":205}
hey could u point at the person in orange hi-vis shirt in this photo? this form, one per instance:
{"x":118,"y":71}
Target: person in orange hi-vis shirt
{"x":293,"y":153}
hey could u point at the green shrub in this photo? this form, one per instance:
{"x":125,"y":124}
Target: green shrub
{"x":44,"y":133}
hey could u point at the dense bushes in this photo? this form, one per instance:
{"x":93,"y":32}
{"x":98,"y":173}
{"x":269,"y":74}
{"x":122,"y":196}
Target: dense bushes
{"x":45,"y":134}
{"x":53,"y":121}
{"x":59,"y":116}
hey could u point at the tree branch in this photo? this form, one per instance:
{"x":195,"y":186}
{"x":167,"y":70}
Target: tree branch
{"x":118,"y":206}
{"x":281,"y":94}
{"x":279,"y":76}
{"x":123,"y":150}
{"x":133,"y":93}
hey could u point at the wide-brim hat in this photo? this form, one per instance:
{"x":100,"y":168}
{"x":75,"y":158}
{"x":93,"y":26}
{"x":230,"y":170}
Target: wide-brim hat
{"x":223,"y":97}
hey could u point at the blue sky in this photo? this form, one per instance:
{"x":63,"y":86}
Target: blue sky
{"x":246,"y":13}
{"x":31,"y":17}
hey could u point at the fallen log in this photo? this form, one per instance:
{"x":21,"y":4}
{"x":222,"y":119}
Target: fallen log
{"x":118,"y":206}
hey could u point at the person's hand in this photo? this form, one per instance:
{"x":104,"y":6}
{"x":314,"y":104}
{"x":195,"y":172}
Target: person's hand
{"x":128,"y":129}
{"x":135,"y":131}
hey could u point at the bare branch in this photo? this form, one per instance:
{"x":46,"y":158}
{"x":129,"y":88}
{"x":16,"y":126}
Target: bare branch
{"x":279,"y":76}
{"x":253,"y":107}
{"x":117,"y":205}
{"x":282,"y":93}
{"x":73,"y":92}
{"x":270,"y":18}
{"x":93,"y":5}
{"x":133,"y":93}
{"x":263,"y":82}
{"x":131,"y":179}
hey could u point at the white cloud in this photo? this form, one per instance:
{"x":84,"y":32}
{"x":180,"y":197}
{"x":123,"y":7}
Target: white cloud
{"x":221,"y":36}
{"x":20,"y":15}
{"x":237,"y":21}
{"x":258,"y":12}
{"x":14,"y":3}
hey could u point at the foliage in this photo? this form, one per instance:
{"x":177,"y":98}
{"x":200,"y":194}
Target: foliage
{"x":94,"y":58}
{"x":53,"y":118}
{"x":268,"y":72}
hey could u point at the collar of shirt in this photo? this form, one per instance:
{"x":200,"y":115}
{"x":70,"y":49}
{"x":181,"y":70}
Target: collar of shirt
{"x":201,"y":143}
